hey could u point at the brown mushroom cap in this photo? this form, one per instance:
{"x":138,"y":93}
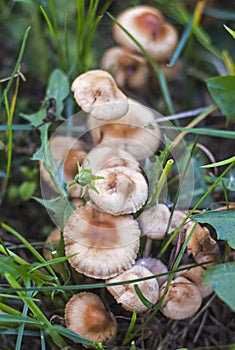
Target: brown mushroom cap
{"x":147,"y":26}
{"x":131,"y":132}
{"x":182,"y":300}
{"x":153,"y":221}
{"x":105,"y":245}
{"x":195,"y":275}
{"x":126,"y":295}
{"x":200,"y":241}
{"x":68,"y":150}
{"x":121,"y":191}
{"x":85,"y":314}
{"x":156,"y":266}
{"x":97,"y":93}
{"x":129,"y":70}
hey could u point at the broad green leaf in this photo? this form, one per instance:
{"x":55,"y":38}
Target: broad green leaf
{"x":222,"y":221}
{"x":222,"y":279}
{"x":36,"y":118}
{"x":222,"y":89}
{"x":27,"y":189}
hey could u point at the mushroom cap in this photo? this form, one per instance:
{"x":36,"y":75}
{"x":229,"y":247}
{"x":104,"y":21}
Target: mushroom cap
{"x":205,"y":257}
{"x":147,"y":26}
{"x":195,"y":275}
{"x":105,"y":245}
{"x":129,"y":70}
{"x":121,"y":191}
{"x":156,"y":266}
{"x":200,"y":241}
{"x":131,"y":132}
{"x":173,"y":72}
{"x":104,"y":156}
{"x":177,"y":217}
{"x":126,"y":295}
{"x":182,"y":300}
{"x":68,"y":150}
{"x":85,"y":314}
{"x":97,"y":93}
{"x":153,"y":221}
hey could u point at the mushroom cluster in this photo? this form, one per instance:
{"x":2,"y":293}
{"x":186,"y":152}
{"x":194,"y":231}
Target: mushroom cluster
{"x":157,"y":37}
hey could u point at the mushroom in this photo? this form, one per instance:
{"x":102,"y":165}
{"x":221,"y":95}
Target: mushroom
{"x":66,"y":150}
{"x":86,"y":315}
{"x":104,"y":156}
{"x":97,"y":93}
{"x":147,"y":26}
{"x":182,"y":300}
{"x":156,"y":266}
{"x":121,"y":191}
{"x":195,"y":275}
{"x":136,"y":132}
{"x":209,"y":258}
{"x":177,"y":217}
{"x":128,"y":69}
{"x":104,"y":245}
{"x":153,"y":221}
{"x":200,"y":241}
{"x":126,"y":295}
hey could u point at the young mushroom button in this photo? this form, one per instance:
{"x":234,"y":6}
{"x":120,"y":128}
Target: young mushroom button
{"x":97,"y":93}
{"x":104,"y":245}
{"x":85,"y":314}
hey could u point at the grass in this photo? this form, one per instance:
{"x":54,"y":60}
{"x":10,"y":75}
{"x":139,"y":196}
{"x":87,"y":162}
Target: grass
{"x":34,"y":291}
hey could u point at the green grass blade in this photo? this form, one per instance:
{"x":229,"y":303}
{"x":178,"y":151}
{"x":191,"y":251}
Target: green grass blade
{"x":49,"y":24}
{"x":22,"y":325}
{"x":130,"y":328}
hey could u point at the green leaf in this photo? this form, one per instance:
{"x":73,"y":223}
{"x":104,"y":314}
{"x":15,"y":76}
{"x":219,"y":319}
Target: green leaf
{"x":232,"y":32}
{"x":35,"y":119}
{"x":222,"y":89}
{"x":222,"y":221}
{"x":18,"y":319}
{"x":27,"y":189}
{"x":222,"y":279}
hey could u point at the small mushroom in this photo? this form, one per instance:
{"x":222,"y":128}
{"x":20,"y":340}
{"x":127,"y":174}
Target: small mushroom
{"x":182,"y":300}
{"x":209,"y":258}
{"x":195,"y":275}
{"x":86,"y":315}
{"x":129,"y":70}
{"x":104,"y":245}
{"x":153,"y":221}
{"x":136,"y":132}
{"x":126,"y":295}
{"x":147,"y":26}
{"x":66,"y":150}
{"x":156,"y":266}
{"x":200,"y":241}
{"x":121,"y":191}
{"x":97,"y":93}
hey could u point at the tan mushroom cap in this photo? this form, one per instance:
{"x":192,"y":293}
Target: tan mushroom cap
{"x":209,"y":258}
{"x":153,"y":221}
{"x":121,"y":191}
{"x":200,"y":241}
{"x":104,"y":156}
{"x":97,"y":93}
{"x":147,"y":26}
{"x":126,"y":295}
{"x":105,"y":245}
{"x":182,"y":300}
{"x":131,"y":132}
{"x":85,"y":314}
{"x":177,"y":217}
{"x":195,"y":275}
{"x":68,"y":150}
{"x":129,"y":70}
{"x":156,"y":266}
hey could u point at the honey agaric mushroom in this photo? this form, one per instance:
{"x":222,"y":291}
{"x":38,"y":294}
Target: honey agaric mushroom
{"x":136,"y":132}
{"x":86,"y":315}
{"x":182,"y":300}
{"x":156,"y":266}
{"x":121,"y":191}
{"x":195,"y":275}
{"x":104,"y":244}
{"x":153,"y":221}
{"x":126,"y":295}
{"x":129,"y":70}
{"x":200,"y":241}
{"x":147,"y":26}
{"x":96,"y":93}
{"x":68,"y":150}
{"x":104,"y":156}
